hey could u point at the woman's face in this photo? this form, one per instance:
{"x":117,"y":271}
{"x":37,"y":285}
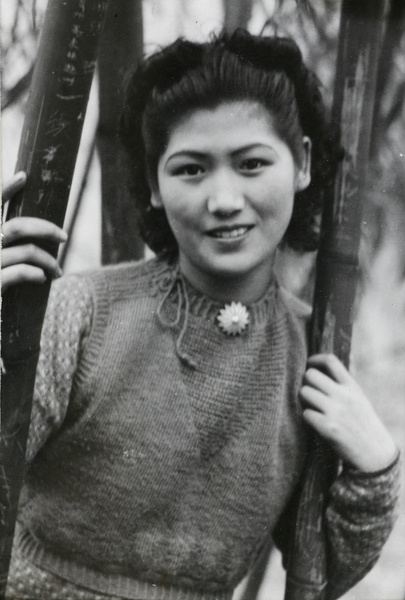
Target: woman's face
{"x":227,"y":183}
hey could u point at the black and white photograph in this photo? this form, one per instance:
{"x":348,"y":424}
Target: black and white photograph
{"x":203,"y":300}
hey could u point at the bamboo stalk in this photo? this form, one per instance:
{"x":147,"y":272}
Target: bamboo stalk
{"x":49,"y":143}
{"x":120,"y":49}
{"x":74,"y":214}
{"x":335,"y":291}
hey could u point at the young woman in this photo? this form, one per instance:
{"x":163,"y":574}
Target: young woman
{"x":173,"y":396}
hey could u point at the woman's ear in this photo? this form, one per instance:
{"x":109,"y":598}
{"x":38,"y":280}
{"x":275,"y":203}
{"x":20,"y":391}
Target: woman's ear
{"x":155,"y":198}
{"x":303,"y":177}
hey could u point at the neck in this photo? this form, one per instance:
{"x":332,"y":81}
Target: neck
{"x":247,"y":288}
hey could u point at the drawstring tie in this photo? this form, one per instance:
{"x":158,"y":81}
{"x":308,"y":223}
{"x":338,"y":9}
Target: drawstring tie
{"x":176,"y":283}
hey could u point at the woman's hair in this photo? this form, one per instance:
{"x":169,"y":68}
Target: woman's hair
{"x":186,"y":76}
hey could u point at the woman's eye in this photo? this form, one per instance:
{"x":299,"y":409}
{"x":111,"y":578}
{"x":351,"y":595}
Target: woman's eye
{"x":190,"y":170}
{"x":252,"y":164}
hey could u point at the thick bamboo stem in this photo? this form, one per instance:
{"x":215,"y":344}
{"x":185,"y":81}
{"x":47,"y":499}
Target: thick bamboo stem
{"x":75,"y":211}
{"x":120,"y":49}
{"x":360,"y":38}
{"x":49,"y":143}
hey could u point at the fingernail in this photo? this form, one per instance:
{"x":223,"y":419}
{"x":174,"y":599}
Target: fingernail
{"x":63,"y":236}
{"x":59,"y":271}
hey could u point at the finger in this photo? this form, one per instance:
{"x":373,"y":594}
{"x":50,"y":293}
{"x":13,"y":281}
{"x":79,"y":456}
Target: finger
{"x":317,"y":421}
{"x":22,"y":274}
{"x":332,"y":366}
{"x":14,"y":185}
{"x":30,"y":227}
{"x":30,"y":254}
{"x":313,"y":398}
{"x":318,"y":380}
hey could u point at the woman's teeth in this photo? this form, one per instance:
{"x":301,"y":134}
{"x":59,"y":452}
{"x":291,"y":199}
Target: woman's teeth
{"x":226,"y":233}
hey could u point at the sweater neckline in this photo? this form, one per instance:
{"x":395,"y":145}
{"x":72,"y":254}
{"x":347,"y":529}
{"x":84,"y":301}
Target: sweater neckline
{"x":174,"y":284}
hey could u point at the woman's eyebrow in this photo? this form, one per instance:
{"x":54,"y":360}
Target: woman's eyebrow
{"x":186,"y":153}
{"x":198,"y":155}
{"x":255,"y":146}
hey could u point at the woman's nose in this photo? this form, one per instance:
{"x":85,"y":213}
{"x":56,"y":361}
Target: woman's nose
{"x":225,"y":198}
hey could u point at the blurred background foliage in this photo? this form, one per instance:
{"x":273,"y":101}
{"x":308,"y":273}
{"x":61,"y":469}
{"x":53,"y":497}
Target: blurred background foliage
{"x":101,"y":218}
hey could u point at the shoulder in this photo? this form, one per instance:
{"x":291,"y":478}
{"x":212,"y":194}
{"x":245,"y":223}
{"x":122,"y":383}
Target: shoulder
{"x":297,"y":318}
{"x":70,"y":296}
{"x":70,"y":288}
{"x":133,"y":279}
{"x":129,"y":280}
{"x":68,"y":322}
{"x":294,"y":305}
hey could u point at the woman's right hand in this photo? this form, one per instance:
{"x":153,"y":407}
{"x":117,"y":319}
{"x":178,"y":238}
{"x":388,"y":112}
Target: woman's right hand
{"x":27,"y":263}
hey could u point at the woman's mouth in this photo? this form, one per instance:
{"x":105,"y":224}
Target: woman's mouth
{"x":227,"y":233}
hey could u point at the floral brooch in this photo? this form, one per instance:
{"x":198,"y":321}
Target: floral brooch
{"x":233,"y":318}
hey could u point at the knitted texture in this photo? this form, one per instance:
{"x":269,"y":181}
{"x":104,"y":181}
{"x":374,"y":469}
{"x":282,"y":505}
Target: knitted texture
{"x":161,"y":471}
{"x":65,"y":331}
{"x":360,"y":514}
{"x":28,"y":582}
{"x":175,"y":448}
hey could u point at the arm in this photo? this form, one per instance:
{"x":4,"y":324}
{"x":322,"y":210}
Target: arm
{"x":360,"y":513}
{"x":67,"y":321}
{"x":66,"y":329}
{"x":361,"y":505}
{"x":359,"y":516}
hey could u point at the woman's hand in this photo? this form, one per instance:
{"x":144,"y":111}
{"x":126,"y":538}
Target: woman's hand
{"x":27,"y":262}
{"x":336,"y":407}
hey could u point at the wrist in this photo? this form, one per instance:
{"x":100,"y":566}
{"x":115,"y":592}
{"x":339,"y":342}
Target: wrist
{"x":375,"y":465}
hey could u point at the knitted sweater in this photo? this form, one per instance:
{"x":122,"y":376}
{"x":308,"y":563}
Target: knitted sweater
{"x":176,"y":448}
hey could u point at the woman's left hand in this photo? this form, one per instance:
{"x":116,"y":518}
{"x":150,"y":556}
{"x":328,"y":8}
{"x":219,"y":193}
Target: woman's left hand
{"x":336,"y":407}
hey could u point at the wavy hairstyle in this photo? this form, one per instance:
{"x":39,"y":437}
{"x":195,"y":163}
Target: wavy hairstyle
{"x":186,"y":76}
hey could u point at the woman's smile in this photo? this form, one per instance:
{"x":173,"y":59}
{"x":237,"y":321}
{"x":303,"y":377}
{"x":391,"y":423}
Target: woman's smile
{"x":230,"y":233}
{"x":227,"y":183}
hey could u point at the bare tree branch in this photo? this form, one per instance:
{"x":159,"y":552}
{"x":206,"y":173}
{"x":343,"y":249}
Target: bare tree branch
{"x":392,"y":40}
{"x":13,"y":94}
{"x":34,"y":14}
{"x":397,"y":106}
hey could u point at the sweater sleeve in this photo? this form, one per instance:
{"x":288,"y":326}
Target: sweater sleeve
{"x":360,"y":516}
{"x":65,"y":331}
